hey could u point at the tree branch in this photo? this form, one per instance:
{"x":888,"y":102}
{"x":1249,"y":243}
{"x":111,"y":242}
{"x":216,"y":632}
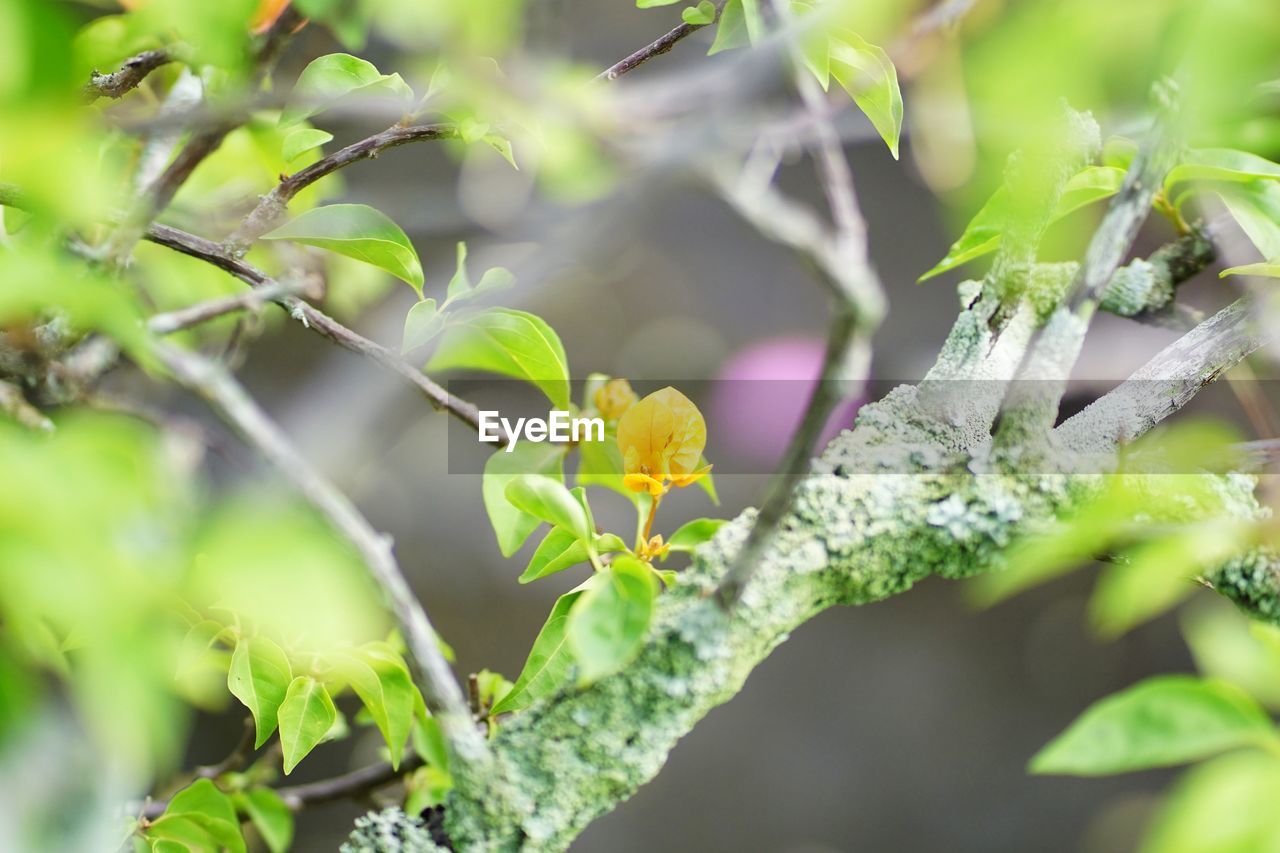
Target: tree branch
{"x":439,"y":689}
{"x":657,"y":47}
{"x":316,"y":320}
{"x":1167,"y":382}
{"x":271,"y":207}
{"x":253,"y":300}
{"x":128,"y":77}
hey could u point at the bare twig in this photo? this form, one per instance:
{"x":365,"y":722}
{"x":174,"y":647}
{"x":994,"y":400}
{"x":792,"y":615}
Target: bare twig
{"x":253,"y":300}
{"x":845,"y":268}
{"x":129,"y":76}
{"x":236,"y":758}
{"x":271,"y":207}
{"x":439,"y":689}
{"x":657,"y":47}
{"x":203,"y":142}
{"x":316,"y":320}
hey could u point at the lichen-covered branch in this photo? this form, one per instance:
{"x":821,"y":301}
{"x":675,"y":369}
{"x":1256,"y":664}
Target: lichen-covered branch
{"x":904,"y":496}
{"x":128,"y":77}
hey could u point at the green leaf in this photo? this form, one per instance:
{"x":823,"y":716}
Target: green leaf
{"x":608,"y":625}
{"x":690,"y":536}
{"x":753,"y":19}
{"x":1266,"y":270}
{"x":699,"y":16}
{"x":511,"y":525}
{"x":1230,"y":646}
{"x":306,"y":717}
{"x":559,"y":550}
{"x":259,"y":677}
{"x":983,"y":233}
{"x":865,"y":71}
{"x":1226,"y":805}
{"x":502,"y":145}
{"x":546,"y":498}
{"x":653,"y":4}
{"x":1255,"y":207}
{"x":708,"y":483}
{"x":301,"y":141}
{"x":179,"y":834}
{"x":512,"y":343}
{"x":1158,"y":574}
{"x":549,"y":662}
{"x":328,"y":78}
{"x":383,"y":684}
{"x":1093,"y":183}
{"x":205,"y":805}
{"x":356,"y":231}
{"x":269,"y":815}
{"x":1159,"y":722}
{"x":460,"y":284}
{"x":732,"y":31}
{"x":1220,"y":164}
{"x":423,"y":322}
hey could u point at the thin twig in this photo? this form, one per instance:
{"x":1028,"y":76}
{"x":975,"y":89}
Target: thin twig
{"x":236,"y":758}
{"x":439,"y":689}
{"x":129,"y":76}
{"x":316,"y":320}
{"x":846,"y":269}
{"x":203,"y":142}
{"x":203,"y":312}
{"x":657,"y":47}
{"x":271,"y":207}
{"x":351,"y":785}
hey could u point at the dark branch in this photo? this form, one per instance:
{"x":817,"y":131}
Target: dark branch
{"x":271,"y":208}
{"x":659,"y":46}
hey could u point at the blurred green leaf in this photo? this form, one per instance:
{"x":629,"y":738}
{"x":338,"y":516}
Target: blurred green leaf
{"x":269,"y":815}
{"x":1226,"y":805}
{"x":461,"y":288}
{"x":302,"y":140}
{"x":732,"y":31}
{"x":547,"y":499}
{"x":866,"y":72}
{"x":689,"y":536}
{"x":549,"y":662}
{"x":1220,"y":164}
{"x":1255,"y":206}
{"x":209,"y":808}
{"x":1228,"y":645}
{"x":327,"y":79}
{"x":652,"y":4}
{"x":512,"y":343}
{"x":259,"y":677}
{"x":1159,"y":722}
{"x":1157,"y":574}
{"x":306,"y":717}
{"x":607,"y":626}
{"x":983,"y":233}
{"x":423,"y":322}
{"x":1268,"y":270}
{"x":357,"y":231}
{"x":512,"y":525}
{"x":698,"y":16}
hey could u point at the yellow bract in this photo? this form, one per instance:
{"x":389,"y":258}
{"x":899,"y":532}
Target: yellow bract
{"x":661,"y":439}
{"x":614,"y":397}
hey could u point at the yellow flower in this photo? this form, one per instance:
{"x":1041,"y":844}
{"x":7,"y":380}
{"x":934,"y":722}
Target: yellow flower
{"x":614,"y":397}
{"x":661,"y":439}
